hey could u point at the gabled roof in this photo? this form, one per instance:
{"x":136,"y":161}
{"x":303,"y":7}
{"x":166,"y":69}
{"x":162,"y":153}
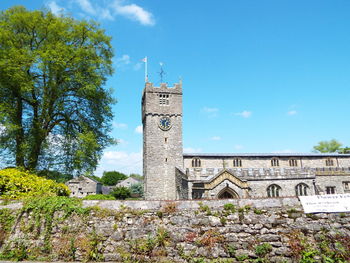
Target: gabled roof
{"x":223,"y":175}
{"x":82,"y":178}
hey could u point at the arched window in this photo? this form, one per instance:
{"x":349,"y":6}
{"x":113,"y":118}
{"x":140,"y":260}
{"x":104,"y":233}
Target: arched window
{"x":273,"y":190}
{"x":196,"y":162}
{"x":329,"y":162}
{"x":275,"y":162}
{"x":301,"y":189}
{"x":237,"y":162}
{"x":293,"y":162}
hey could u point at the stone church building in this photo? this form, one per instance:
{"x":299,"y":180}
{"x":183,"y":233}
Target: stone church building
{"x":170,"y":174}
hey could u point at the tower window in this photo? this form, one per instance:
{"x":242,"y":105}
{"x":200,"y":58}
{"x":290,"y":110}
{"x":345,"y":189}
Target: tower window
{"x":166,"y":140}
{"x":273,"y":190}
{"x":329,"y":162}
{"x":275,"y":162}
{"x":301,"y":189}
{"x":293,"y":162}
{"x":346,"y":186}
{"x":196,"y":162}
{"x":163,"y":99}
{"x":166,"y":160}
{"x":237,"y":162}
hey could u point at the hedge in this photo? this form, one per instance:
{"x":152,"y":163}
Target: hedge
{"x":16,"y":184}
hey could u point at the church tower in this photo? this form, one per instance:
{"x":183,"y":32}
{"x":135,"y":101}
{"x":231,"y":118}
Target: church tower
{"x":162,"y":140}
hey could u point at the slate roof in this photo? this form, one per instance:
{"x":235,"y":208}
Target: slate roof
{"x":265,"y":155}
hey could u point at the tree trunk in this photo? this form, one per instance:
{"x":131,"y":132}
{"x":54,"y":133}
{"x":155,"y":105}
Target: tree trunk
{"x":19,"y":133}
{"x":38,"y":136}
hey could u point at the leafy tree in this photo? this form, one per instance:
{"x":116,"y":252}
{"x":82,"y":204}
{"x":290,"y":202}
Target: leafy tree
{"x":137,"y":189}
{"x":121,"y":192}
{"x":94,"y":177}
{"x":136,"y":176}
{"x":56,"y":176}
{"x":328,"y":146}
{"x":112,"y":177}
{"x":54,"y":109}
{"x":344,"y":150}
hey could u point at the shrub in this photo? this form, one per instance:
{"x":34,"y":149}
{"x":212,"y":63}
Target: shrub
{"x":121,"y":192}
{"x":230,"y":207}
{"x":170,"y":207}
{"x":258,"y":211}
{"x":99,"y":197}
{"x":263,"y":249}
{"x":137,"y":189}
{"x":15,"y":184}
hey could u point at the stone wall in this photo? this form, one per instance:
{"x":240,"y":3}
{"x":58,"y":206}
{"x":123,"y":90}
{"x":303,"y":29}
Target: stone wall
{"x":184,"y":231}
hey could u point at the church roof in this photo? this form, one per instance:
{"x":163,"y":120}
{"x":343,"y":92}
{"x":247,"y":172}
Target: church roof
{"x":265,"y":155}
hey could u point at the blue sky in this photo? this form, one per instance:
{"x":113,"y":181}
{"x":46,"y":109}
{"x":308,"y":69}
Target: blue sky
{"x":258,"y":76}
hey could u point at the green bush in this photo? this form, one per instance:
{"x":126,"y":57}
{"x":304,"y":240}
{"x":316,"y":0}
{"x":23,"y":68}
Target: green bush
{"x":16,"y":184}
{"x":263,"y":249}
{"x":112,"y":177}
{"x":99,"y":197}
{"x":137,"y":189}
{"x":121,"y":192}
{"x":229,"y":207}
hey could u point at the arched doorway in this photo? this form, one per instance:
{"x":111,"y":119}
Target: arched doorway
{"x":227,"y":193}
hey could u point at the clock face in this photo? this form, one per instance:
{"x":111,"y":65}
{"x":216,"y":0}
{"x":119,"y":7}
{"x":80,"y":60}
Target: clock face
{"x":165,"y":123}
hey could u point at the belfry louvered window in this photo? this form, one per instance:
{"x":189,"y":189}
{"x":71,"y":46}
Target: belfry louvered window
{"x":163,"y":99}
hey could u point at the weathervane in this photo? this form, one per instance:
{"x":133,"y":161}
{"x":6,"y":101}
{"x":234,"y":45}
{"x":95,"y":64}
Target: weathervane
{"x":162,"y":72}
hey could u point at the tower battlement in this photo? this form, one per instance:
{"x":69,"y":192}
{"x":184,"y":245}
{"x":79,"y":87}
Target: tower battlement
{"x":176,"y":88}
{"x":162,"y":100}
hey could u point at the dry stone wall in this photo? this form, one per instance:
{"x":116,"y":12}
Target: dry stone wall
{"x":211,"y":231}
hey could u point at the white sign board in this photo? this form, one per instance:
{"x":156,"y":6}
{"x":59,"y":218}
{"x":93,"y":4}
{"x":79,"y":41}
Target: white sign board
{"x":326,"y":203}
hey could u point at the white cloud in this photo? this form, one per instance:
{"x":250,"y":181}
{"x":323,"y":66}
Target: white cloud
{"x":55,"y":8}
{"x":238,"y":147}
{"x":292,"y":112}
{"x":106,"y":14}
{"x":120,"y":125}
{"x":133,"y":12}
{"x":107,"y":10}
{"x":244,"y":114}
{"x":139,"y":129}
{"x":123,"y":60}
{"x":122,"y":142}
{"x":216,"y":138}
{"x":86,"y":6}
{"x":137,"y":66}
{"x":211,"y":112}
{"x":192,"y":150}
{"x":120,"y":161}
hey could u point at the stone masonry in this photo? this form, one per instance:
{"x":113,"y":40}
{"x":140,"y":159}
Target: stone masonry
{"x":183,"y":231}
{"x":162,"y":149}
{"x":170,"y":174}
